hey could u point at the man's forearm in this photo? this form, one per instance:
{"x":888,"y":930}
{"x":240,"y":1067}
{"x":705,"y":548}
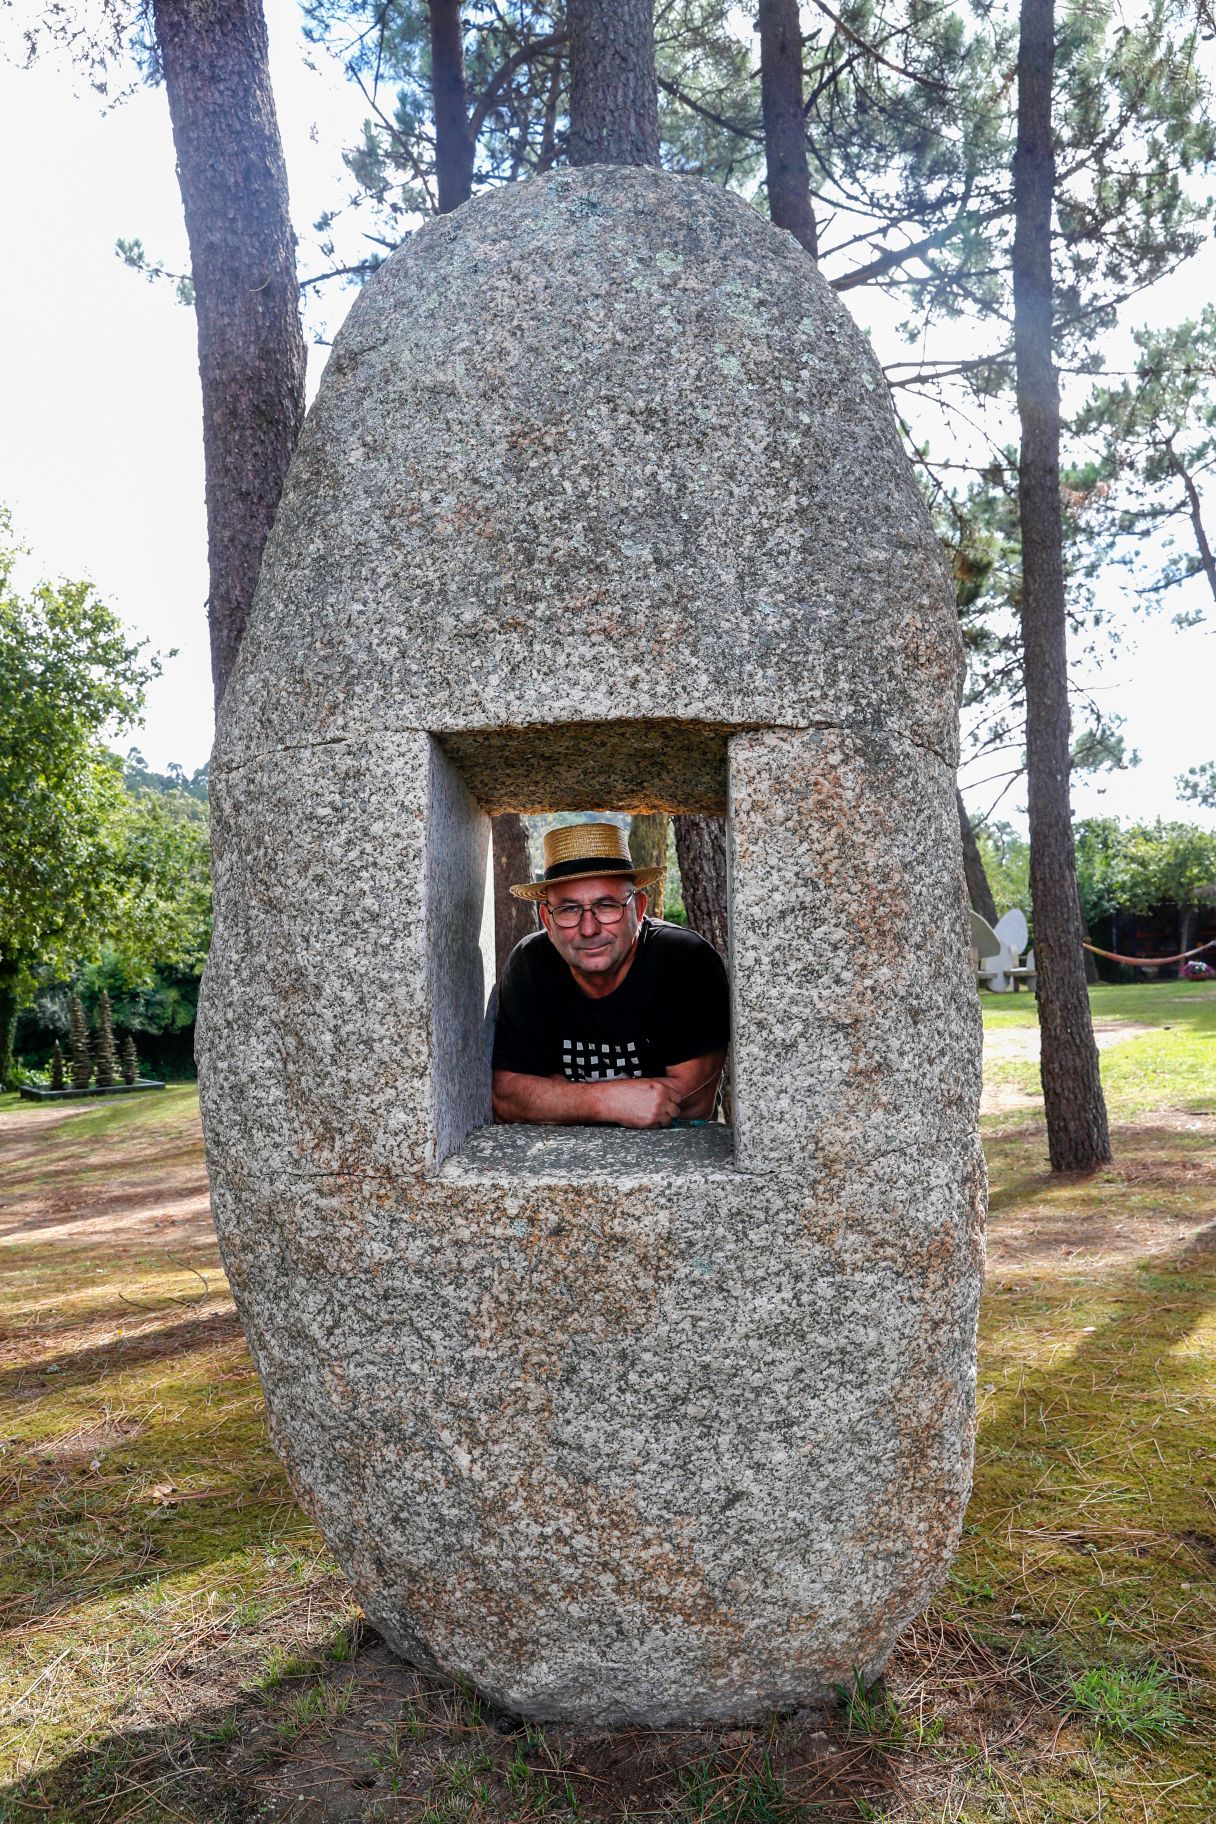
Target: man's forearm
{"x":696,"y":1083}
{"x":523,"y":1098}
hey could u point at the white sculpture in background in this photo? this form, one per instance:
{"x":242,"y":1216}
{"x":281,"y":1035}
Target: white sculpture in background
{"x":1001,"y":957}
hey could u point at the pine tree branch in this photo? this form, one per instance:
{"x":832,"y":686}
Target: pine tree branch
{"x":535,"y":47}
{"x":872,"y":51}
{"x":362,"y":269}
{"x":899,"y":256}
{"x":1195,"y":505}
{"x":718,"y":120}
{"x":398,"y":139}
{"x":947,"y":370}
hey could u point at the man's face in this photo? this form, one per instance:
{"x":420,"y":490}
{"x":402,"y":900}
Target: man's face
{"x":591,"y":946}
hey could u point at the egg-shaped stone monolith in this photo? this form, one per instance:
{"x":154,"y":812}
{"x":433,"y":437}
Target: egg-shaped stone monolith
{"x":602,"y":504}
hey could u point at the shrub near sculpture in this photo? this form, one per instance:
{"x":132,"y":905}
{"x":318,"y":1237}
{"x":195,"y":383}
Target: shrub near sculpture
{"x":602,"y":502}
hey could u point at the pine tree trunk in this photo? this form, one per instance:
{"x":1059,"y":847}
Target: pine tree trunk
{"x":614,"y":103}
{"x":1187,"y":917}
{"x":247,"y":303}
{"x":789,"y":207}
{"x":648,"y":846}
{"x":978,"y":890}
{"x":514,"y":919}
{"x":1194,"y":502}
{"x":648,"y":838}
{"x":1078,"y":1138}
{"x":453,"y":143}
{"x":789,"y":183}
{"x":701,"y":849}
{"x":614,"y":120}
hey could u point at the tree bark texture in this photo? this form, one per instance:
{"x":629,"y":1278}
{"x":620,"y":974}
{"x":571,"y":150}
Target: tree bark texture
{"x":247,"y":303}
{"x":978,"y":890}
{"x":701,"y":851}
{"x":788,"y":174}
{"x":514,"y":919}
{"x":453,"y":141}
{"x":1078,"y":1137}
{"x":614,"y":103}
{"x":648,"y":846}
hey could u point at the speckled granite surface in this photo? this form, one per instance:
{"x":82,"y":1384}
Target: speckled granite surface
{"x":602,"y":502}
{"x":593,"y":447}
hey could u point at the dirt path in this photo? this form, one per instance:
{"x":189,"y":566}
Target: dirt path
{"x":146,"y":1181}
{"x":1020,"y":1045}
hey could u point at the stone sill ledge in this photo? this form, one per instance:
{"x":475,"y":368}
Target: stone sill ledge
{"x":522,"y":1153}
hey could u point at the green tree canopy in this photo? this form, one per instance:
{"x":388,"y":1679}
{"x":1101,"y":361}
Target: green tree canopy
{"x":86,"y":864}
{"x":1006,"y":859}
{"x":1198,"y":784}
{"x":1140,"y":867}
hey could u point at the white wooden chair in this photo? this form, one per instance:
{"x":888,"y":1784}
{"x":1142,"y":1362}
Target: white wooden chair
{"x":998,"y":950}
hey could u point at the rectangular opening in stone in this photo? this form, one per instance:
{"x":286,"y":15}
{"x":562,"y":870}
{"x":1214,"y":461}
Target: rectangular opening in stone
{"x":624,"y":767}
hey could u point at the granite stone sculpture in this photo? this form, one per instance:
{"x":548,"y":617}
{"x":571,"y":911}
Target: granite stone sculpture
{"x":602,"y":505}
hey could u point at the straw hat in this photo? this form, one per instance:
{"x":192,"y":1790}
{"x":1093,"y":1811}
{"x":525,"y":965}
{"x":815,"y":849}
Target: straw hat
{"x":585,"y":851}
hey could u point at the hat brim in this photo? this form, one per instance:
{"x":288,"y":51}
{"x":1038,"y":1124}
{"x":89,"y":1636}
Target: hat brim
{"x":536,"y":889}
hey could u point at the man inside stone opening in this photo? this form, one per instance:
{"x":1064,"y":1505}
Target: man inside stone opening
{"x":606,"y":1014}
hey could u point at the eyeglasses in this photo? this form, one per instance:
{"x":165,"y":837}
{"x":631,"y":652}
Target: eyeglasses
{"x":603,"y":911}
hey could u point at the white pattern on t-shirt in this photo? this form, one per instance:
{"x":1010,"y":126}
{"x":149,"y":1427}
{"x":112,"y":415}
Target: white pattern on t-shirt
{"x":597,"y":1060}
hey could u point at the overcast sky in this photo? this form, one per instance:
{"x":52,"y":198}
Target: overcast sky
{"x":100,"y":433}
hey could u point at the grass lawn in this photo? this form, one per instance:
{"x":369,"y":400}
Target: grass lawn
{"x":1169,"y":1067}
{"x":177,"y":1644}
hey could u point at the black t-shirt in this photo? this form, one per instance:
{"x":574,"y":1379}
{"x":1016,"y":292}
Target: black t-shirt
{"x":672,"y":1005}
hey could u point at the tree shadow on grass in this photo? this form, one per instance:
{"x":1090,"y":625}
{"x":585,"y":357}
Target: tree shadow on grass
{"x":1152,"y":1196}
{"x":144,"y":1457}
{"x":1016,"y":1191}
{"x":146,"y":1197}
{"x":1092,"y":1452}
{"x":1186,"y":1272}
{"x":137,"y":1348}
